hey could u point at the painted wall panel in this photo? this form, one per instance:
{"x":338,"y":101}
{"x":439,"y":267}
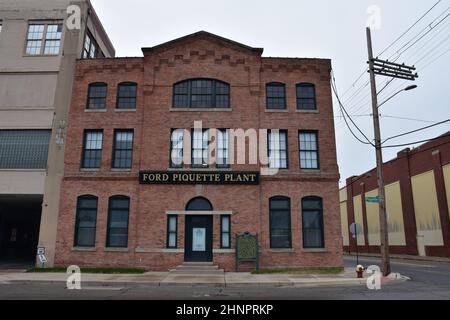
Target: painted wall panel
{"x":373,"y":219}
{"x":446,"y":170}
{"x":357,"y":206}
{"x":395,"y":215}
{"x":426,"y":209}
{"x":344,"y":224}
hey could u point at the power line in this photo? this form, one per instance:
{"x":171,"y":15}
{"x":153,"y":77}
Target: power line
{"x":409,"y":119}
{"x":416,"y":142}
{"x":409,"y":29}
{"x":416,"y":130}
{"x":333,"y":85}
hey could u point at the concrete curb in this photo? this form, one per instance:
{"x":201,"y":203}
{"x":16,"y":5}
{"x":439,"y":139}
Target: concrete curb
{"x":402,"y":257}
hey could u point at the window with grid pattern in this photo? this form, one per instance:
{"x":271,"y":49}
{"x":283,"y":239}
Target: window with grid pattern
{"x":43,"y":39}
{"x":92,"y":151}
{"x":172,"y":231}
{"x":86,"y":221}
{"x":126,"y":95}
{"x":200,"y":147}
{"x":176,"y":148}
{"x":97,"y":93}
{"x":223,"y":147}
{"x":24,"y":149}
{"x":277,"y":140}
{"x":306,"y":96}
{"x":312,"y":222}
{"x":201,"y":93}
{"x":276,"y":95}
{"x":225,"y":231}
{"x":118,"y":212}
{"x":309,"y":150}
{"x":280,"y":222}
{"x":90,"y":49}
{"x":123,"y":149}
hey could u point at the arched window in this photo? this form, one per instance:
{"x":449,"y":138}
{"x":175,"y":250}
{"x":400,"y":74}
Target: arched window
{"x":97,"y":95}
{"x":306,"y":96}
{"x":276,"y":95}
{"x":118,"y":213}
{"x":201,"y":93}
{"x":85,"y":221}
{"x":199,"y":204}
{"x":312,"y":222}
{"x":280,"y":222}
{"x":126,"y":95}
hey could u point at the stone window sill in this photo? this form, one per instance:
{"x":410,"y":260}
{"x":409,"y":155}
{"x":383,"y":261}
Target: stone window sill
{"x":84,"y":249}
{"x":90,"y":170}
{"x":276,"y":111}
{"x":224,"y":251}
{"x":120,"y":170}
{"x":318,"y":250}
{"x":124,"y":110}
{"x":307,"y":111}
{"x":94,"y":110}
{"x":282,"y":250}
{"x":116,"y":250}
{"x":201,"y":109}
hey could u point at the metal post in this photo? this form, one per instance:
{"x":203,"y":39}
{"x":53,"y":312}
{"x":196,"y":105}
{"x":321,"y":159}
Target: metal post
{"x":384,"y":239}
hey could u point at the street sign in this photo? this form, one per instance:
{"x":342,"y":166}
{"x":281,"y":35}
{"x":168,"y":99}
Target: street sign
{"x":372,"y":199}
{"x":40,"y":250}
{"x":355,"y":229}
{"x":42,"y":258}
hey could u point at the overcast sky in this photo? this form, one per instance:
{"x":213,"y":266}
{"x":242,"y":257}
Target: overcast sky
{"x":321,"y":28}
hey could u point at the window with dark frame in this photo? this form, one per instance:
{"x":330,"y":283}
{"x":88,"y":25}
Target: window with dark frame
{"x":92,"y":149}
{"x":225,"y":231}
{"x":97,"y":93}
{"x":126,"y":95}
{"x":172,"y":230}
{"x":201,"y":93}
{"x":118,"y":215}
{"x":91,"y":49}
{"x":44,"y":39}
{"x":306,"y":96}
{"x":176,"y":148}
{"x":277,"y":147}
{"x":86,"y":221}
{"x":276,"y":96}
{"x":280,"y":223}
{"x":309,"y":150}
{"x":223,"y":147}
{"x":123,"y":149}
{"x":200,"y":147}
{"x":312,"y":223}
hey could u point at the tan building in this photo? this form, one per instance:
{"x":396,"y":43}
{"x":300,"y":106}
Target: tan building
{"x":40,"y":42}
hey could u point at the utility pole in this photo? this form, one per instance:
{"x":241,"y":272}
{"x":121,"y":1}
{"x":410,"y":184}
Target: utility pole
{"x":401,"y":71}
{"x":384,"y":238}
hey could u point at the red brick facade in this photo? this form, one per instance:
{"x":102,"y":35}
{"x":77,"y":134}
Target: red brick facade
{"x":201,"y":55}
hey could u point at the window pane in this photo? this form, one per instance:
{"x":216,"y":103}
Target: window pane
{"x":225,"y":240}
{"x":226,"y":224}
{"x":54,"y":32}
{"x":277,"y":140}
{"x":201,"y":93}
{"x":275,"y":96}
{"x":172,"y":240}
{"x":308,"y":150}
{"x":280,"y":221}
{"x":86,"y":221}
{"x":85,"y":237}
{"x":127,"y":96}
{"x":173,"y":224}
{"x":118,"y":222}
{"x":34,"y":47}
{"x":176,"y":145}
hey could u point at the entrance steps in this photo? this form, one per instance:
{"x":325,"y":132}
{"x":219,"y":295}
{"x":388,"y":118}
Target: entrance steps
{"x":197,"y":268}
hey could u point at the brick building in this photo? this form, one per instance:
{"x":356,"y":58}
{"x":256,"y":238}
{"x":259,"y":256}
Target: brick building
{"x":143,"y":195}
{"x":417,"y":203}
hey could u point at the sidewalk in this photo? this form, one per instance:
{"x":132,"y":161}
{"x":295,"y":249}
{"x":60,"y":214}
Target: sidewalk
{"x":400,"y":257}
{"x":228,"y":279}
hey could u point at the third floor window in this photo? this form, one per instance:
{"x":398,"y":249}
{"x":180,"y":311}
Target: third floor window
{"x":201,"y":93}
{"x":44,"y":39}
{"x":276,"y":95}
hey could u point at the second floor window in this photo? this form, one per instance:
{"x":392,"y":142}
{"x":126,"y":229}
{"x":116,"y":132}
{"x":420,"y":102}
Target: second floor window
{"x":201,"y":93}
{"x":92,"y":149}
{"x":277,"y":141}
{"x":222,"y":148}
{"x":126,"y":95}
{"x":276,"y":95}
{"x":123,"y":149}
{"x":200,"y":147}
{"x":97,"y":96}
{"x":309,"y":150}
{"x":176,"y":148}
{"x":44,"y":39}
{"x":306,"y":96}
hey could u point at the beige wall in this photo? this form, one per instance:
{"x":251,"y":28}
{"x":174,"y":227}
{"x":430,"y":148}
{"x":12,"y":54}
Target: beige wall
{"x":344,"y":223}
{"x":426,"y":209}
{"x":22,"y":182}
{"x":447,"y":184}
{"x":357,"y":206}
{"x":373,"y":219}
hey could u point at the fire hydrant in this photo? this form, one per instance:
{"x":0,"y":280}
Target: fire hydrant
{"x":359,"y":271}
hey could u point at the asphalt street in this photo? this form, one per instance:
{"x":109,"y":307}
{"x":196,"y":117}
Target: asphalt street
{"x":429,"y":280}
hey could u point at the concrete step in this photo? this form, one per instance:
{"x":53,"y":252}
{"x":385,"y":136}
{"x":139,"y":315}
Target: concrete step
{"x":190,"y":267}
{"x":197,"y":268}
